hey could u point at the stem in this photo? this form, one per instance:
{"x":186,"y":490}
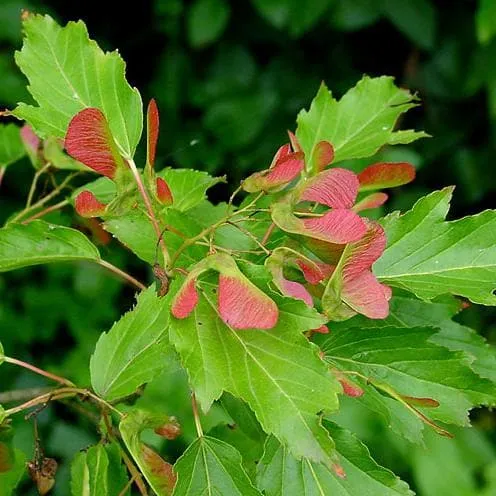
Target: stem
{"x":46,"y":210}
{"x":207,"y":230}
{"x":46,"y":198}
{"x":32,"y":189}
{"x":2,"y":173}
{"x":149,"y":208}
{"x":196,"y":415}
{"x":124,"y":275}
{"x":235,"y":192}
{"x":268,"y":233}
{"x":54,"y":377}
{"x":22,"y":394}
{"x":97,"y":399}
{"x":44,"y":398}
{"x":251,"y":236}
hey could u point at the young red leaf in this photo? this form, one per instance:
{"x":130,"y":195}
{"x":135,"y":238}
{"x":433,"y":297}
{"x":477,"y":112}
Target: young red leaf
{"x":336,"y":226}
{"x":323,"y":155}
{"x":350,"y":388}
{"x":185,"y":300}
{"x":284,"y":170}
{"x":373,"y":200}
{"x":323,"y":329}
{"x":90,"y":141}
{"x":164,"y":194}
{"x":87,"y":205}
{"x":170,"y":430}
{"x":282,"y":153}
{"x":386,"y":175}
{"x":296,"y":290}
{"x":422,"y":402}
{"x":362,"y":254}
{"x":152,"y":120}
{"x":314,"y":272}
{"x":367,"y":296}
{"x":161,"y":471}
{"x":353,"y":288}
{"x":337,"y":188}
{"x":243,"y":306}
{"x":295,"y":144}
{"x":30,"y":140}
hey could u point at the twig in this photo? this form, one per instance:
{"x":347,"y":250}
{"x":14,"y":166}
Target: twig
{"x":46,"y":198}
{"x":22,"y":394}
{"x":56,"y":394}
{"x":149,"y":208}
{"x":207,"y":230}
{"x":268,"y":233}
{"x":235,"y":192}
{"x":251,"y":236}
{"x":46,"y":210}
{"x":124,"y":275}
{"x":28,"y":366}
{"x":2,"y":173}
{"x":36,"y":176}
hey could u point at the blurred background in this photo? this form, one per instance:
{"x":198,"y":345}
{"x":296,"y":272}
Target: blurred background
{"x":229,"y":77}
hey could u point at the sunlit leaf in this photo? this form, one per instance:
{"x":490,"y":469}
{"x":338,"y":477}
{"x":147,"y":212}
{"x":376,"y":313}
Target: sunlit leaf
{"x":359,"y":123}
{"x":132,"y":352}
{"x":429,"y":257}
{"x":64,"y":82}
{"x":210,"y":466}
{"x":157,"y":471}
{"x":277,"y":372}
{"x":40,"y":242}
{"x":280,"y":474}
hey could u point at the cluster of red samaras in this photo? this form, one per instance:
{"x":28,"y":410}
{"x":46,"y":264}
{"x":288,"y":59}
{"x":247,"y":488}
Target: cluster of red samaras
{"x":335,"y":247}
{"x":89,"y":140}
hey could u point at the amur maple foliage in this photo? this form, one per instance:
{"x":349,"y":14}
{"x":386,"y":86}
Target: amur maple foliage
{"x":275,"y":304}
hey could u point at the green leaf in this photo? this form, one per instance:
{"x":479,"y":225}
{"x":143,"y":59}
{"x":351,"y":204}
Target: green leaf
{"x":207,"y":19}
{"x":40,"y":242}
{"x":98,"y":472}
{"x":485,"y":20}
{"x":243,"y":432}
{"x":407,"y":311}
{"x":53,"y":152}
{"x":359,"y":123}
{"x":135,"y":231}
{"x":2,"y":414}
{"x":10,"y":479}
{"x":416,"y":20}
{"x":103,"y":188}
{"x":352,"y":15}
{"x":449,"y":457}
{"x":11,"y":146}
{"x":133,"y":351}
{"x":63,"y":82}
{"x":406,"y":360}
{"x":89,"y":472}
{"x":210,"y":466}
{"x":157,"y":472}
{"x":277,"y":372}
{"x":429,"y":257}
{"x":280,"y":474}
{"x":298,"y":16}
{"x":188,"y":186}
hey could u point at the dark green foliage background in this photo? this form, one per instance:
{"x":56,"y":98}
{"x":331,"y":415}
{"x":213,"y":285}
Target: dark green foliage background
{"x":231,"y":76}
